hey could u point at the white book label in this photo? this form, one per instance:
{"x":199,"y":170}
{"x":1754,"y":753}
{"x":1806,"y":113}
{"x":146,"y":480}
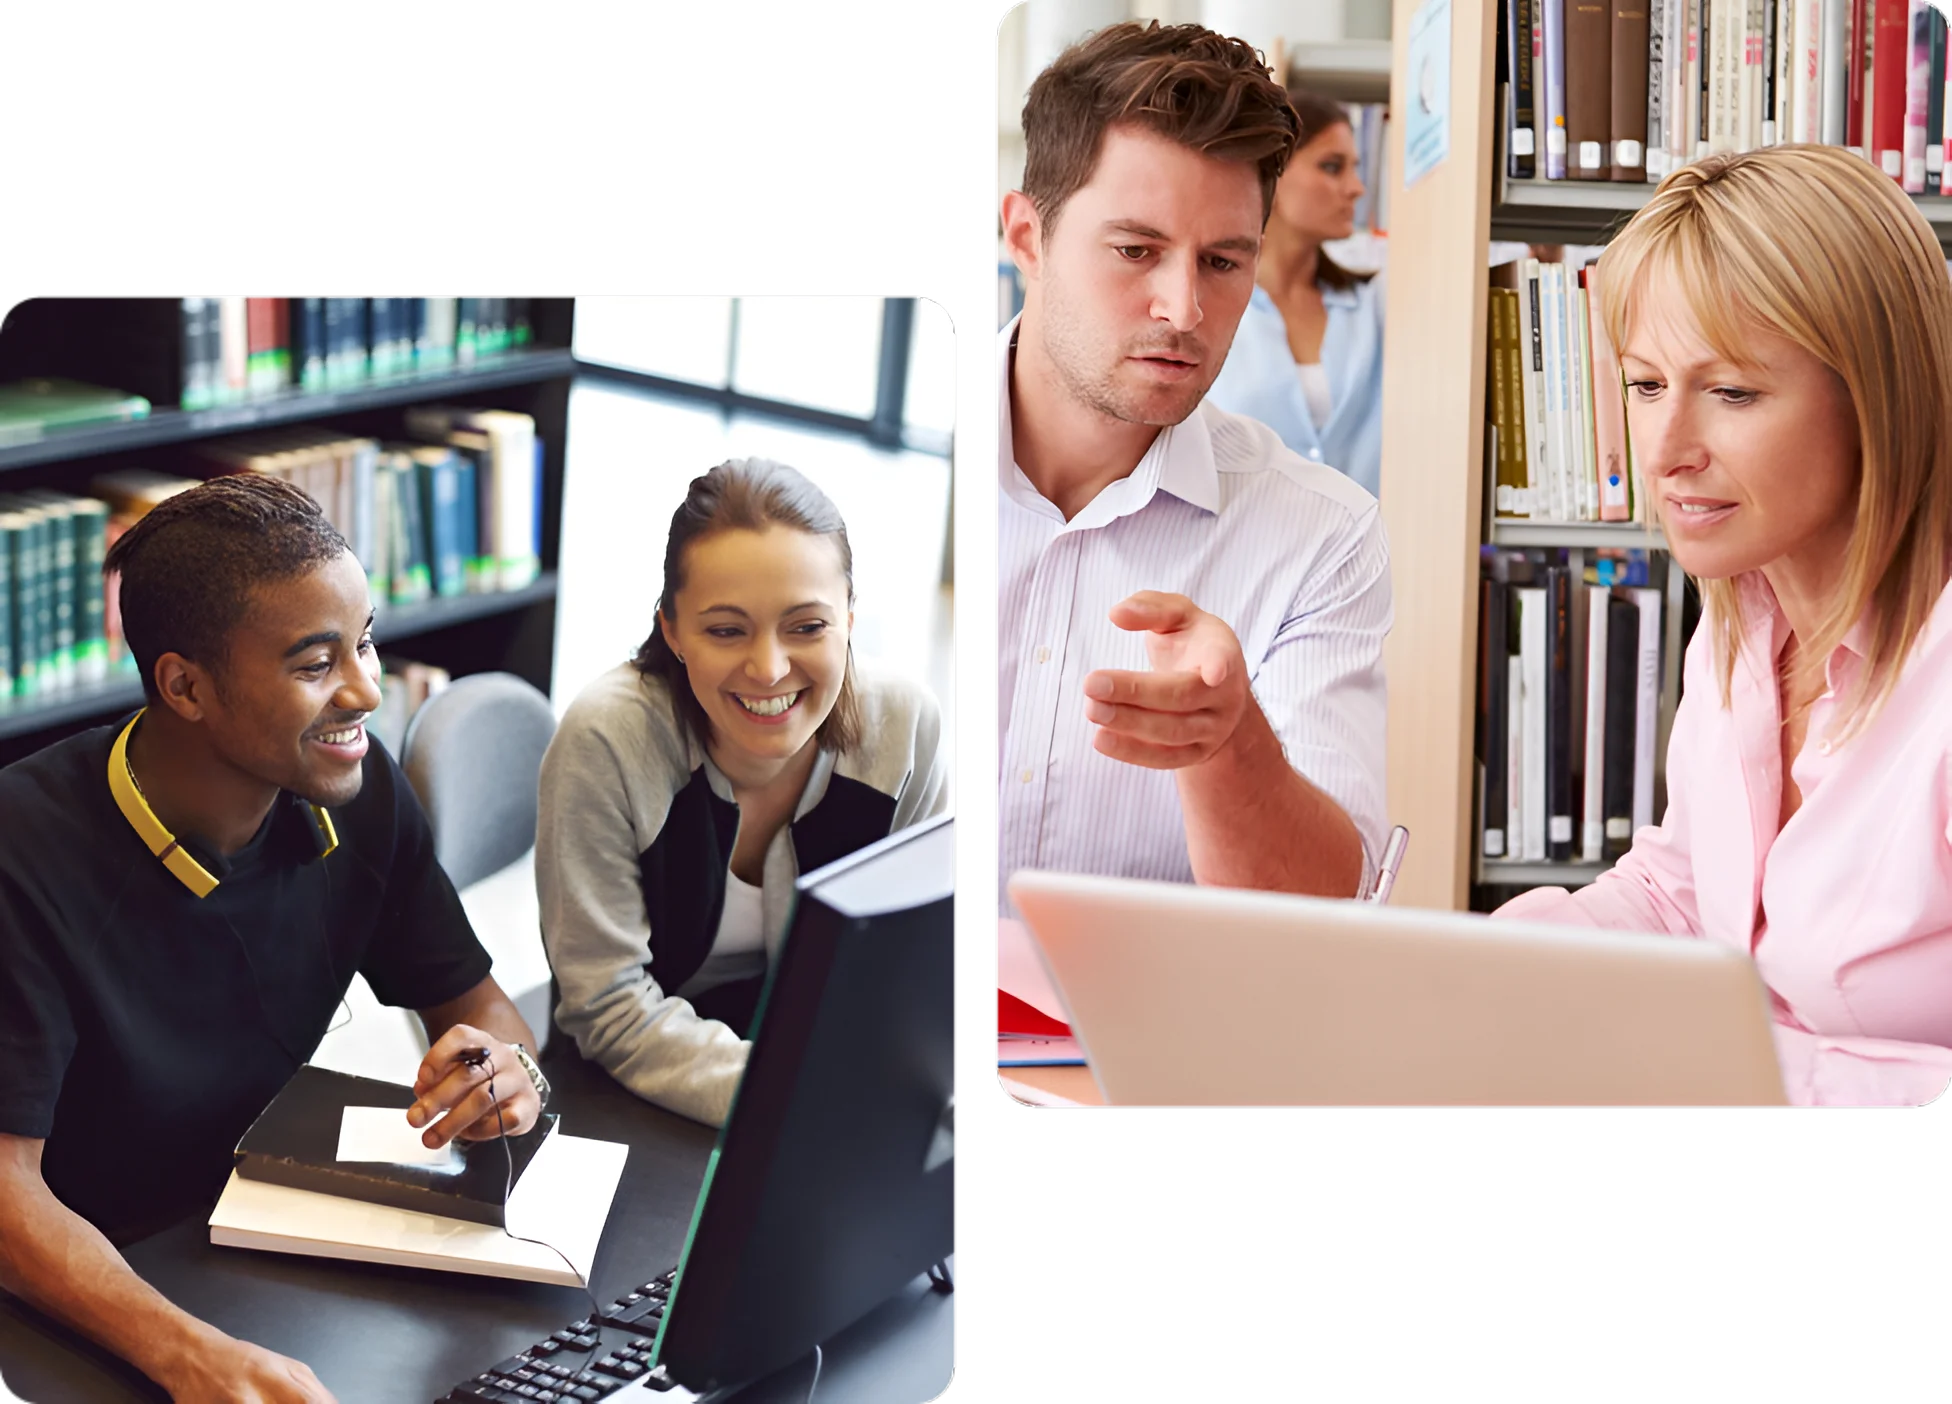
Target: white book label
{"x":1555,"y":141}
{"x":1592,"y":155}
{"x":1521,"y":142}
{"x":1561,"y":828}
{"x":1619,"y":828}
{"x":1626,"y":153}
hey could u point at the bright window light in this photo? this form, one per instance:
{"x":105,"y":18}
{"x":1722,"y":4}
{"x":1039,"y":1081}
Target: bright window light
{"x":679,"y":338}
{"x":823,"y":352}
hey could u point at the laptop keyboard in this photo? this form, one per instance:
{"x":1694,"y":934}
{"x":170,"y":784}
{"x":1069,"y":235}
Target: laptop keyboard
{"x":587,"y":1360}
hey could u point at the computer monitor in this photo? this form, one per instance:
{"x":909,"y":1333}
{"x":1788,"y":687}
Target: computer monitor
{"x":833,"y":1182}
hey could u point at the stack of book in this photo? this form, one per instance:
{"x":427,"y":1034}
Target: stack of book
{"x":53,"y":604}
{"x":242,"y":348}
{"x":32,"y":409}
{"x":454,"y":516}
{"x":1555,"y":405}
{"x":1624,"y":91}
{"x":1569,"y":677}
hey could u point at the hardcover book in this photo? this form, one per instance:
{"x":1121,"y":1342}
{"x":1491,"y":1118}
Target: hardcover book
{"x":295,"y":1142}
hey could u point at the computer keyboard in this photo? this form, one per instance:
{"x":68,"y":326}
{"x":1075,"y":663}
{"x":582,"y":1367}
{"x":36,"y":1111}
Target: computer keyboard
{"x":587,"y":1360}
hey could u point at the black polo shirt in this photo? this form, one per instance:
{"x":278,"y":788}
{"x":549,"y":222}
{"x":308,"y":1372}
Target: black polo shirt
{"x":142,"y":1027}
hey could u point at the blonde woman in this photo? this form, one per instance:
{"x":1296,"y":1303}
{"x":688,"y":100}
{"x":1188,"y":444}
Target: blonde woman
{"x":1785,"y":320}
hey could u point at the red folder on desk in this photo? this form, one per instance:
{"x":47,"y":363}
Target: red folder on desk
{"x":1030,"y":1026}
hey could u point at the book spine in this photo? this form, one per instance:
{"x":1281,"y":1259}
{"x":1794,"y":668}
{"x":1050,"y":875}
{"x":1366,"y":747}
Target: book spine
{"x":1631,"y":48}
{"x":1935,"y":105}
{"x":1498,"y":402}
{"x":1771,"y":63}
{"x":1786,"y":55}
{"x":1495,"y":634}
{"x":1512,"y":353}
{"x":1609,"y":414}
{"x":1558,"y":703}
{"x":1588,"y":73}
{"x":1701,"y":71}
{"x":1588,"y":501}
{"x":1654,"y":159}
{"x":1754,"y":78}
{"x":1592,"y":834}
{"x":1532,"y":391}
{"x":308,"y":336}
{"x":1835,"y":73}
{"x":233,"y":339}
{"x":61,"y":579}
{"x":40,"y":598}
{"x":468,"y":514}
{"x":465,"y":330}
{"x":516,"y":478}
{"x":1534,"y":656}
{"x":197,"y":392}
{"x":91,"y":625}
{"x":1622,"y":676}
{"x":1646,"y":705}
{"x":1520,"y":154}
{"x":1918,"y":77}
{"x":1680,"y":86}
{"x":450,"y":571}
{"x":10,"y":532}
{"x":1552,"y":21}
{"x":1889,"y":64}
{"x":1853,"y":66}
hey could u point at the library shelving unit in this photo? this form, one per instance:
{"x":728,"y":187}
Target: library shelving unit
{"x":1433,"y":452}
{"x":512,"y":631}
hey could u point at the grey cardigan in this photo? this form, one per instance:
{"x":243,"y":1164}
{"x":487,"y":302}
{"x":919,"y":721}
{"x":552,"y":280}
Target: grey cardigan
{"x":634,"y":833}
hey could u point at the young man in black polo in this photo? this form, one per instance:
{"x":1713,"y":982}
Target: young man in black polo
{"x":184,"y":898}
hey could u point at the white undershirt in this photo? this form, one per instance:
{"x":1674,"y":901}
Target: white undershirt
{"x":1314,"y":387}
{"x":739,"y":949}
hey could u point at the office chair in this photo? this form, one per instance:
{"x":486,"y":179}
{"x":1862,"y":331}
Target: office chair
{"x":473,"y":753}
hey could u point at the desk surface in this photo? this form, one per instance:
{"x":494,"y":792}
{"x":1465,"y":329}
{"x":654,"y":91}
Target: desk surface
{"x":385,"y":1334}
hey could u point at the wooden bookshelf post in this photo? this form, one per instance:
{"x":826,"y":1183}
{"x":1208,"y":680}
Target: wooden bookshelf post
{"x":1433,"y":459}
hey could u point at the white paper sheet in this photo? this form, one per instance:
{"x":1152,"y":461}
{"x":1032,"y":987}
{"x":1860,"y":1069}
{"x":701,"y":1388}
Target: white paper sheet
{"x":382,"y":1134}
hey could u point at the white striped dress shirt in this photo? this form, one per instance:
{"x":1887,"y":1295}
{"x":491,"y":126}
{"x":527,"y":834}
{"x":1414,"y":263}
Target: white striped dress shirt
{"x":1290,"y":553}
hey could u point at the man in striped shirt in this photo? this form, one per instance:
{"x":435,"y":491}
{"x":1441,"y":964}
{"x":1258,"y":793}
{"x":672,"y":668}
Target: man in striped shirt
{"x":1192,"y":616}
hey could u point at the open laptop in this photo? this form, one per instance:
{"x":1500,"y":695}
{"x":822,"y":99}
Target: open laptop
{"x":1192,"y":995}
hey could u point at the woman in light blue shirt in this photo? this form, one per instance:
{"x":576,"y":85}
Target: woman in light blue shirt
{"x":1308,"y":358}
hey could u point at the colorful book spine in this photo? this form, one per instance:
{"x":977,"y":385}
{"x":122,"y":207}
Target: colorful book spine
{"x":1890,"y":65}
{"x":1918,"y":94}
{"x":1553,"y":22}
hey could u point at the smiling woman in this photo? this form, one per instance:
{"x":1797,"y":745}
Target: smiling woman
{"x":686,"y":789}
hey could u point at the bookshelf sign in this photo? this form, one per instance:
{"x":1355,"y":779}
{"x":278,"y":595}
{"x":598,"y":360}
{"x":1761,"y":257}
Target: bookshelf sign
{"x":1426,"y":135}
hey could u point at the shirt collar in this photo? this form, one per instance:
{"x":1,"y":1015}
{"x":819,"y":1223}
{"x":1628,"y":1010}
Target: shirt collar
{"x":1179,"y":462}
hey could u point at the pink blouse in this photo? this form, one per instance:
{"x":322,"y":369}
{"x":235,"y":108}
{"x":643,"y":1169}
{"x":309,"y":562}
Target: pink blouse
{"x":1846,"y":909}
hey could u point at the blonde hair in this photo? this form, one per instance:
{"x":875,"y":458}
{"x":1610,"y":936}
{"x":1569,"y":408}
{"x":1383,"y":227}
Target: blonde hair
{"x":1817,"y":246}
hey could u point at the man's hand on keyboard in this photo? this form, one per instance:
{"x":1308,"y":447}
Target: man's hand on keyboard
{"x":229,"y":1371}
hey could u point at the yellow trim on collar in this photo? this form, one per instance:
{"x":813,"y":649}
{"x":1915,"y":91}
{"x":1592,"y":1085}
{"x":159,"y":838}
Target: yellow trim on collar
{"x":158,"y":839}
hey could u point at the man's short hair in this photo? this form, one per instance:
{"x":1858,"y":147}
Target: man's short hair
{"x":190,"y":565}
{"x":1183,"y":82}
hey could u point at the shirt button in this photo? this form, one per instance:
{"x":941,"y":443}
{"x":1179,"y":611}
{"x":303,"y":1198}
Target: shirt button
{"x":1824,"y":749}
{"x":1029,"y":775}
{"x":1043,"y":655}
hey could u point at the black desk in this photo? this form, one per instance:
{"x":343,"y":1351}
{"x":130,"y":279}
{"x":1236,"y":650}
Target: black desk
{"x":383,"y":1334}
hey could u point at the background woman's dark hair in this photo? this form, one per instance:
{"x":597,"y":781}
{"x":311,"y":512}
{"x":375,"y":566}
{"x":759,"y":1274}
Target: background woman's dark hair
{"x":1317,"y":114}
{"x":749,"y":494}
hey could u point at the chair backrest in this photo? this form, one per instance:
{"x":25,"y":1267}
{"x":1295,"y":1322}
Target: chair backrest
{"x":473,"y":753}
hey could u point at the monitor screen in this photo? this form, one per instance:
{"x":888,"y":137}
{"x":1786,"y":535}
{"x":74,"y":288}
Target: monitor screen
{"x":832,"y":1185}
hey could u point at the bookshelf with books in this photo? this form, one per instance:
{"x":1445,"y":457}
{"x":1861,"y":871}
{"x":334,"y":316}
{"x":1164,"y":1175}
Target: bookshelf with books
{"x":438,"y":455}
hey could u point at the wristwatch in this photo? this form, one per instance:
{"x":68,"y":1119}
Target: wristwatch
{"x":535,"y":1073}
